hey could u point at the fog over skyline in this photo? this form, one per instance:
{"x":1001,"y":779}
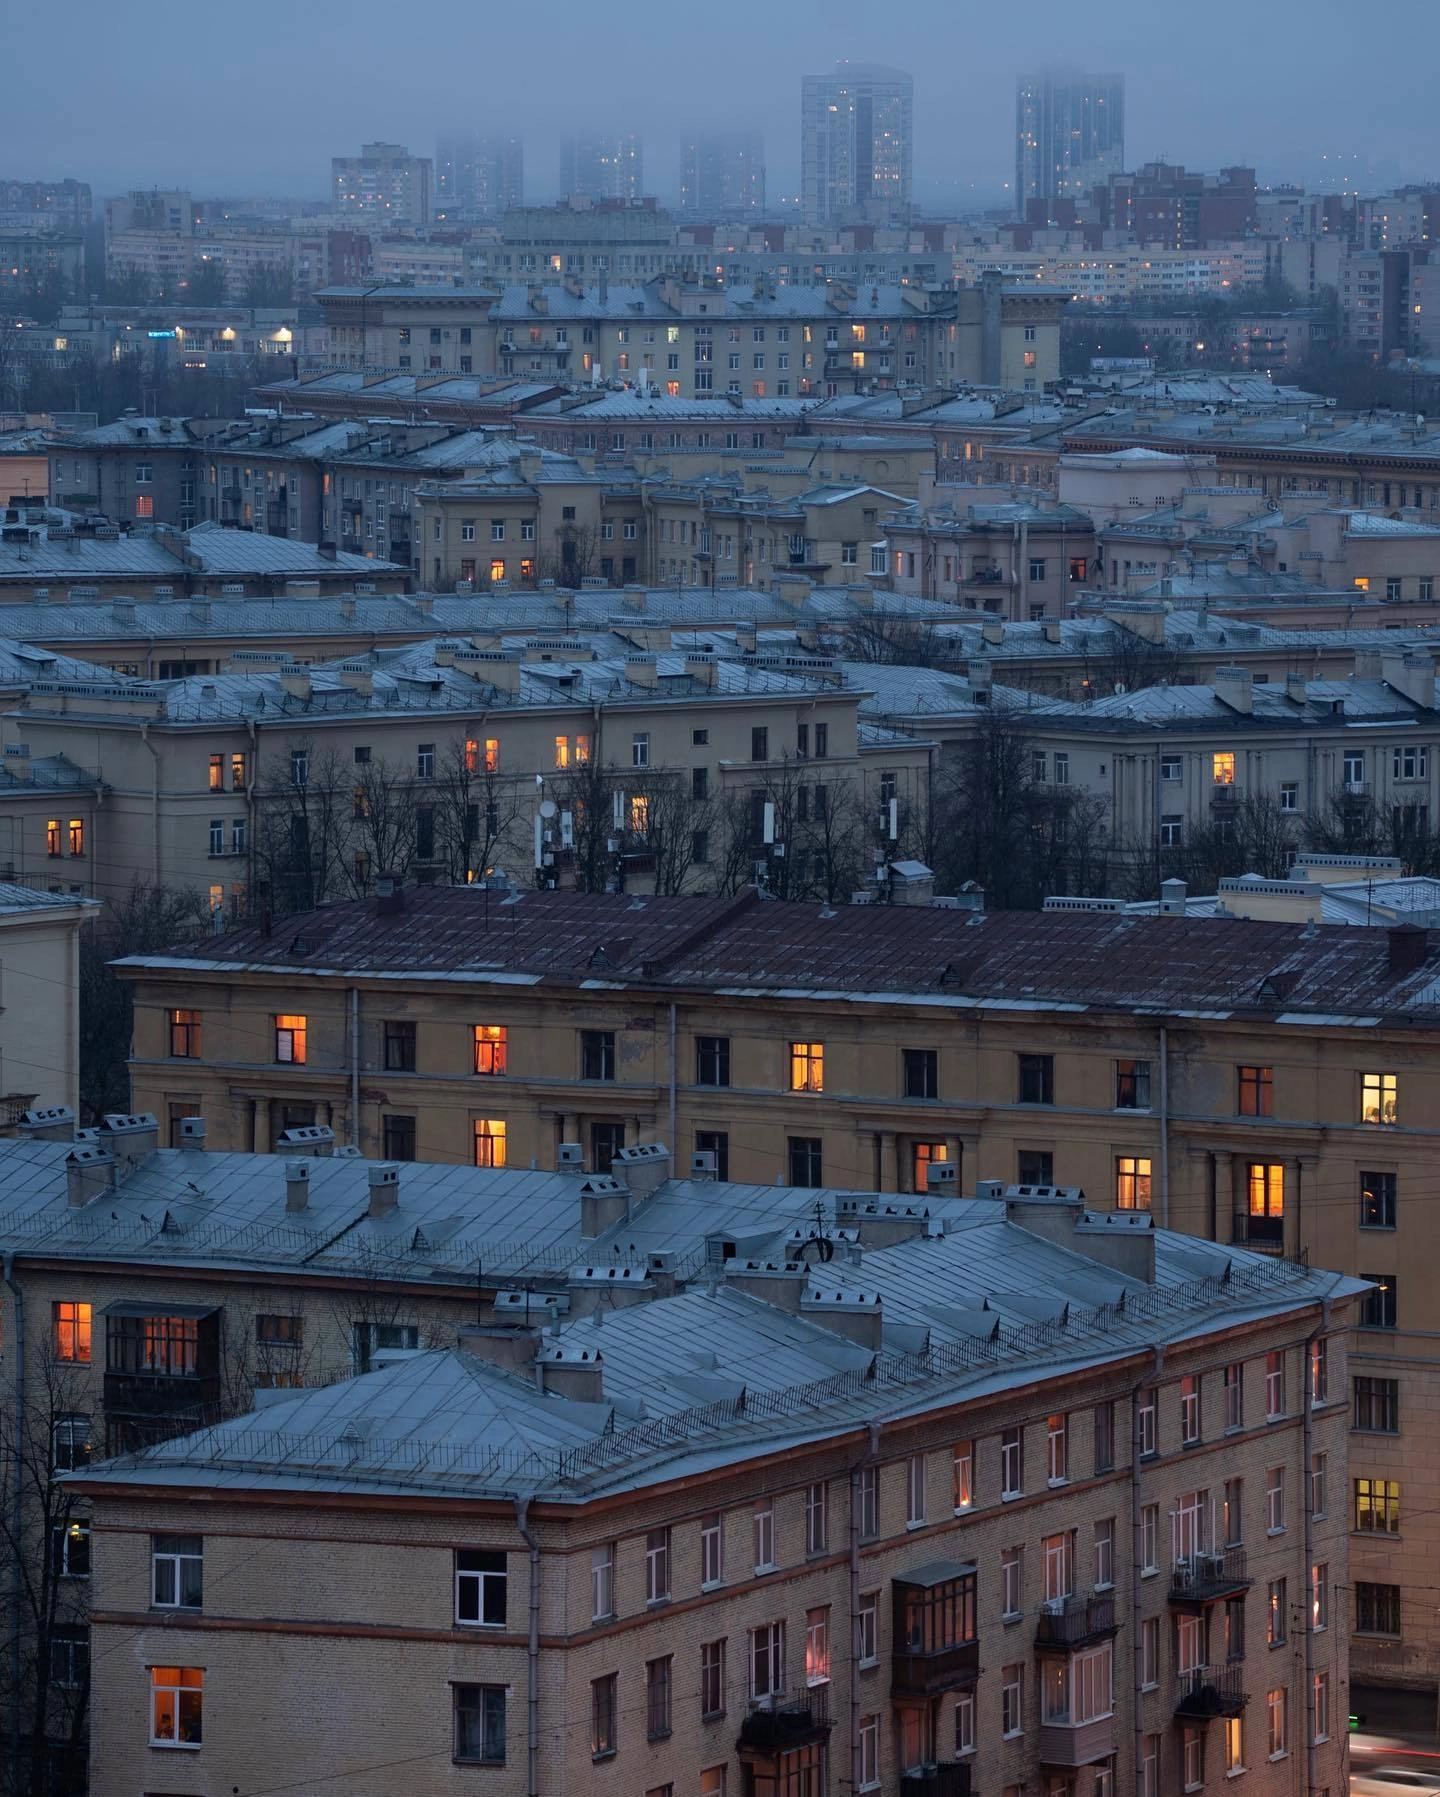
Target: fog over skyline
{"x":225,"y":105}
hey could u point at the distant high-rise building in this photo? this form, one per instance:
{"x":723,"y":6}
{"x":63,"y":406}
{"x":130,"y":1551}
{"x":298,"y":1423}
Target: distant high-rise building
{"x":479,"y":171}
{"x":722,"y":171}
{"x":598,"y":165}
{"x":1069,"y":134}
{"x":384,"y":184}
{"x":857,"y":131}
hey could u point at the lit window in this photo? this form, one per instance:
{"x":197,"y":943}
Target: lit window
{"x":1379,"y":1098}
{"x":176,"y":1699}
{"x":807,"y":1066}
{"x":640,"y":815}
{"x":1222,"y":768}
{"x":52,"y":836}
{"x":490,"y":1047}
{"x":1132,"y":1182}
{"x":497,"y":568}
{"x":489,"y":1142}
{"x":185,"y":1035}
{"x":290,"y":1038}
{"x":562,"y":751}
{"x":77,"y":836}
{"x":72,"y":1331}
{"x":217,"y":773}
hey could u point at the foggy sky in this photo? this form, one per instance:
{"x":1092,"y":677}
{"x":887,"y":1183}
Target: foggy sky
{"x":233,"y":100}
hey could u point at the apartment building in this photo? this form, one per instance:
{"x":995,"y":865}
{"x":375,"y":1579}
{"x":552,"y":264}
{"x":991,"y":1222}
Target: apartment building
{"x":40,"y":1020}
{"x":602,"y":165}
{"x":384,"y":184}
{"x":1254,"y":1083}
{"x":1015,"y":558}
{"x":765,"y":1539}
{"x":857,"y":144}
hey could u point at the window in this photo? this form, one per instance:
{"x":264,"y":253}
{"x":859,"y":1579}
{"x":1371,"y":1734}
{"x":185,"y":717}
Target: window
{"x":1062,"y":767}
{"x":867,"y":1499}
{"x":399,"y":1046}
{"x":657,"y":1566}
{"x":1320,"y":1371}
{"x":603,"y":1714}
{"x":70,"y":1550}
{"x":1132,"y":1085}
{"x":1276,"y":1613}
{"x":217,"y":836}
{"x":658,"y":1687}
{"x":866,"y":1620}
{"x":1012,"y":1462}
{"x":764,"y":1532}
{"x":490,"y":1141}
{"x":1232,"y":1520}
{"x":177,"y":1695}
{"x":1037,"y":563}
{"x":716,"y":1142}
{"x":1379,"y":1098}
{"x":1012,"y":1700}
{"x":869,"y":1753}
{"x":1012,"y":1569}
{"x":640,"y":749}
{"x":817,"y":1518}
{"x":1256,"y":1091}
{"x":1148,"y":1771}
{"x":1059,"y":1563}
{"x":822,"y":742}
{"x":52,"y":837}
{"x":1145,"y":1423}
{"x":397,"y":1137}
{"x":1189,"y":1643}
{"x":479,"y":1712}
{"x":73,"y":1322}
{"x":712,"y":1679}
{"x":1103,"y":1432}
{"x":1192,"y":1759}
{"x":1150,"y":1652}
{"x":597,"y":1054}
{"x":1057,"y":1449}
{"x":805,"y":1161}
{"x":817,"y":1646}
{"x":712,"y":1550}
{"x":1377,"y":1405}
{"x":759,"y":743}
{"x":300,"y":767}
{"x":807,"y":1066}
{"x":490,"y":1048}
{"x":1320,"y":1596}
{"x":1377,"y":1506}
{"x":1035,"y":1078}
{"x":1171,"y":768}
{"x":290,"y":1038}
{"x":963,"y":1487}
{"x":1132,"y":1182}
{"x":602,"y":1582}
{"x":480,"y":1579}
{"x":1190,"y":1409}
{"x":217,"y":773}
{"x":712,"y":1060}
{"x":1275,"y":1385}
{"x":1150,"y":1538}
{"x":965,"y":1722}
{"x":921,"y":1072}
{"x":1377,"y":1609}
{"x":915,"y":1491}
{"x":1172,"y":830}
{"x":1234,"y":1395}
{"x":1377,"y":1200}
{"x":1378,"y":1307}
{"x":767,"y":1660}
{"x":1409,"y":761}
{"x":1275,"y":1500}
{"x":1104,"y":1553}
{"x":177,"y":1566}
{"x":1276,"y":1703}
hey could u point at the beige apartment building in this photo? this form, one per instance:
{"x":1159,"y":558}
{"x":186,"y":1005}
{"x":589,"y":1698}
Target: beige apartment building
{"x":1260,"y":1083}
{"x":1016,"y":558}
{"x":1087,"y":1540}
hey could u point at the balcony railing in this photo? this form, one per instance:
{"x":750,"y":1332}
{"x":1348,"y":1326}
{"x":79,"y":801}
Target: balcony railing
{"x":1077,"y":1743}
{"x":786,"y":1719}
{"x":1264,"y":1234}
{"x":1204,"y":1577}
{"x":947,"y":1778}
{"x":927,"y":1674}
{"x":1211,"y":1691}
{"x":1074,"y":1621}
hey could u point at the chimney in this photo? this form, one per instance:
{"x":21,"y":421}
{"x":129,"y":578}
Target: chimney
{"x":577,"y":1373}
{"x":1235,"y":687}
{"x":1297,"y":688}
{"x":192,"y":1132}
{"x":89,"y":1170}
{"x":942,"y":1179}
{"x":980,"y":675}
{"x":641,"y":670}
{"x":993,"y":632}
{"x":297,"y":1186}
{"x":513,"y":1349}
{"x":1173,"y":894}
{"x":777,"y":1282}
{"x":389,"y":896}
{"x":49,"y":1123}
{"x":880,"y":1224}
{"x":704,"y":1164}
{"x":662,"y":1268}
{"x":308,"y":1138}
{"x":295,"y":682}
{"x":384,"y":1189}
{"x":642,"y":1168}
{"x":614,"y":1284}
{"x":1406,"y":948}
{"x":855,"y":1315}
{"x":131,"y":1137}
{"x":1123,"y":1240}
{"x":604,"y":1201}
{"x":569,"y":1158}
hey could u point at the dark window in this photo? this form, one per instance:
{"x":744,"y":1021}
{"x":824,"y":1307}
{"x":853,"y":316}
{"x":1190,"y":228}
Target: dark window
{"x":1132,"y":1085}
{"x":177,"y":1572}
{"x":480,"y":1580}
{"x":603,"y":1693}
{"x":606,"y":1141}
{"x":1104,"y":1437}
{"x":69,"y":1655}
{"x":699,"y":782}
{"x":760,"y":743}
{"x":922,"y":1073}
{"x":1377,"y":1609}
{"x":716,"y":1142}
{"x":399,"y":1047}
{"x":425,"y":833}
{"x":805,"y":1161}
{"x":480,"y":1723}
{"x":699,"y":847}
{"x":658,"y":1685}
{"x":1035,"y":1167}
{"x":279,"y":1330}
{"x":1377,"y":1200}
{"x":1377,"y":1405}
{"x":822,"y":741}
{"x":597,"y":1054}
{"x":1036,"y":1078}
{"x":712,"y":1060}
{"x":1256,"y":1096}
{"x":1378,"y":1309}
{"x":399,"y":1138}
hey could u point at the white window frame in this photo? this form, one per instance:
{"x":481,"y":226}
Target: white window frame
{"x":764,"y":1536}
{"x":712,"y":1551}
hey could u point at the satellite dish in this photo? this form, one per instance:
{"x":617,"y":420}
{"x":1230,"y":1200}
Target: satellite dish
{"x":548,"y":808}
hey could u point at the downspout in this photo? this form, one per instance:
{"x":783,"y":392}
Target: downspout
{"x":532,"y":1681}
{"x":674,"y":1148}
{"x":17,"y":1508}
{"x":872,"y":1454}
{"x":154,"y":802}
{"x":1307,"y":1438}
{"x":1137,"y":1559}
{"x":1164,"y":1127}
{"x":355,"y":1066}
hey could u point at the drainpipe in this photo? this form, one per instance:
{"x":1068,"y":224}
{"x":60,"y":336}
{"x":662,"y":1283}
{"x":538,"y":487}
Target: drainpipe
{"x":355,"y":1066}
{"x":872,"y":1454}
{"x":1137,"y":1558}
{"x":674,"y":1147}
{"x":1307,"y":1439}
{"x":17,"y":1508}
{"x":532,"y":1682}
{"x":1164,"y":1127}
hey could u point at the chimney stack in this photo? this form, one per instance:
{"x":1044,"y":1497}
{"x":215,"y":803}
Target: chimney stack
{"x":384,"y":1189}
{"x":643,"y":1168}
{"x":89,"y":1170}
{"x":604,"y":1201}
{"x":49,"y":1123}
{"x":297,"y":1186}
{"x":192,"y":1132}
{"x":577,"y":1373}
{"x":131,"y":1135}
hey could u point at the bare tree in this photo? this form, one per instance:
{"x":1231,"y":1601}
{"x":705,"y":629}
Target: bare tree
{"x":306,"y":813}
{"x":383,"y":825}
{"x":572,"y":557}
{"x":1127,"y":662}
{"x":1351,"y":823}
{"x":876,"y":637}
{"x":476,"y":812}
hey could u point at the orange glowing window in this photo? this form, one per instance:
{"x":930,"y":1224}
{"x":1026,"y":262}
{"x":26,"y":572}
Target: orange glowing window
{"x":72,"y":1331}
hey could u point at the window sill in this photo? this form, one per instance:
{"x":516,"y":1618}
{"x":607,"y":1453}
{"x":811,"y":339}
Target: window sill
{"x":916,"y":1522}
{"x":659,"y":1603}
{"x":713,"y":1716}
{"x":607,"y":1753}
{"x":465,"y":1760}
{"x":868,"y":1665}
{"x":658,"y":1734}
{"x":1149,"y":1572}
{"x":1014,"y":1734}
{"x":712,"y":1584}
{"x":1105,"y":1585}
{"x":1056,"y":1484}
{"x":177,"y":1746}
{"x":1283,"y":1754}
{"x":1271,"y":1533}
{"x":1009,"y":1497}
{"x":963,"y":1509}
{"x":1010,"y":1617}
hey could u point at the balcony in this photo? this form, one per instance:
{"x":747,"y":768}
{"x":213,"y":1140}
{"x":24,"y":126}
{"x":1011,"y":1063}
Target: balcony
{"x":1203,"y":1578}
{"x":1224,"y":795}
{"x":935,"y":1645}
{"x":1266,"y":1235}
{"x":784,"y":1720}
{"x":1077,"y":1743}
{"x":1075,"y":1621}
{"x":1210,"y":1691}
{"x":948,"y":1778}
